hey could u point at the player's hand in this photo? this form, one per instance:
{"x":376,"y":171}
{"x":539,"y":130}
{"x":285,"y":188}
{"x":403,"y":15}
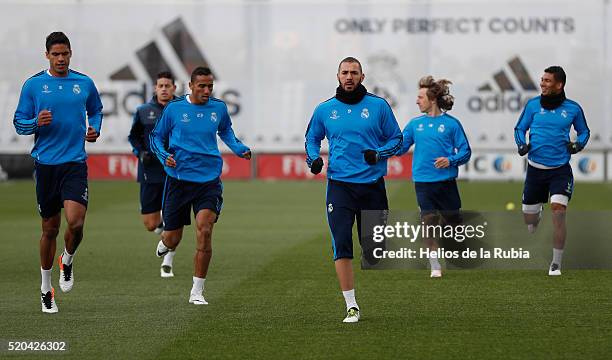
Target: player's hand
{"x":147,"y":158}
{"x":247,"y":155}
{"x":44,"y":118}
{"x":573,"y":147}
{"x":316,"y":166}
{"x":524,"y":149}
{"x":370,"y":156}
{"x":92,"y":135}
{"x":170,"y":162}
{"x":442,"y":163}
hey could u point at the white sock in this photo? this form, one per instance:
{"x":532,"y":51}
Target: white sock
{"x":198,"y":285}
{"x":349,"y":298}
{"x":67,"y":258}
{"x":434,"y":263}
{"x":168,"y":259}
{"x":557,"y":255}
{"x":45,"y":285}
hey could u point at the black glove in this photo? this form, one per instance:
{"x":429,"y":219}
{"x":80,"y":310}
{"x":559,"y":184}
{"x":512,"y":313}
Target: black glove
{"x":573,"y":147}
{"x":147,"y":158}
{"x":370,"y":156}
{"x":316,"y":166}
{"x":524,"y":149}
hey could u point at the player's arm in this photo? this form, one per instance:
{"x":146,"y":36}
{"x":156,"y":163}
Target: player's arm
{"x":136,"y":137}
{"x":407,"y":140}
{"x":391,"y":135}
{"x":520,"y":130}
{"x":226,"y":133}
{"x":460,"y":142}
{"x":160,"y":136}
{"x":315,"y":133}
{"x":94,"y":113}
{"x":25,"y":119}
{"x":582,"y":130}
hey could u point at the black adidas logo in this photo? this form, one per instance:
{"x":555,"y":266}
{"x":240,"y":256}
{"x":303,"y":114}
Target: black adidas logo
{"x":509,"y":96}
{"x":175,"y":50}
{"x":151,"y":58}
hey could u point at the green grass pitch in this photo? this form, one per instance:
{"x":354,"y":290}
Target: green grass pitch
{"x":273,"y":292}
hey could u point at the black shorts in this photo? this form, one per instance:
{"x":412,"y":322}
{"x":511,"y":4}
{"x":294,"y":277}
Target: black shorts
{"x":540,"y":184}
{"x":57,"y":183}
{"x":344,"y":204}
{"x":181,"y":196}
{"x":151,"y":197}
{"x":437,"y":196}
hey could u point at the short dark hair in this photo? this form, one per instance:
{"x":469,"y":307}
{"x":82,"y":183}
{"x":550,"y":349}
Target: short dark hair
{"x":557,"y":72}
{"x":350,"y":59}
{"x":200,"y":71}
{"x":165,"y":75}
{"x":57,"y":37}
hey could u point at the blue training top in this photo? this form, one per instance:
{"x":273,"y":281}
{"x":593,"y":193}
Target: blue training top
{"x":549,"y":131}
{"x":72,"y":100}
{"x":434,"y":137}
{"x":350,"y":129}
{"x":190,"y":132}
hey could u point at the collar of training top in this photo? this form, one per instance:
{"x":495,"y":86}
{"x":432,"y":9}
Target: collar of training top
{"x":550,"y":102}
{"x":351,"y":97}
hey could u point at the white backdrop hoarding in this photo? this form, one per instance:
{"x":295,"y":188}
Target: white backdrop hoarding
{"x":275,"y":61}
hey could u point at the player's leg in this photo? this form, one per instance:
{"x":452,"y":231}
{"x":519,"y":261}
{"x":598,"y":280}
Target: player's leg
{"x":426,"y":199}
{"x":176,"y":204}
{"x":561,"y":189}
{"x":207,"y":205}
{"x":75,"y":198}
{"x":341,"y":211}
{"x":535,"y":193}
{"x":151,"y":198}
{"x":373,"y":211}
{"x":205,"y":221}
{"x":49,"y":207}
{"x":50,"y":229}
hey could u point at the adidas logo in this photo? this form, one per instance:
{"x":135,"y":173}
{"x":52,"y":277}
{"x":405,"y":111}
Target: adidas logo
{"x":175,"y":39}
{"x":507,"y":95}
{"x":173,"y":48}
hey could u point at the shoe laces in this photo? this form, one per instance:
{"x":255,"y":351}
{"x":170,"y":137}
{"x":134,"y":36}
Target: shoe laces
{"x":67,"y":272}
{"x":47,"y":299}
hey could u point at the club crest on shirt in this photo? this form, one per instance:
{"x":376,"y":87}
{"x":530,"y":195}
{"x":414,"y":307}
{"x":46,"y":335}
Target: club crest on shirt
{"x":441,"y":128}
{"x":76,"y":89}
{"x":365,"y":113}
{"x":185,"y":118}
{"x":45,"y":89}
{"x":213,"y":117}
{"x":334,"y":115}
{"x":564,"y":113}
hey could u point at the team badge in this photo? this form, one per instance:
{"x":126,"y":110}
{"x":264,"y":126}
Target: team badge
{"x":365,"y":113}
{"x":441,"y":128}
{"x":213,"y":117}
{"x":564,"y":113}
{"x":76,"y":89}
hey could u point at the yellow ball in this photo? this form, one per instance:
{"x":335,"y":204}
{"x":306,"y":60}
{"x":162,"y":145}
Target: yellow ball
{"x":510,"y":206}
